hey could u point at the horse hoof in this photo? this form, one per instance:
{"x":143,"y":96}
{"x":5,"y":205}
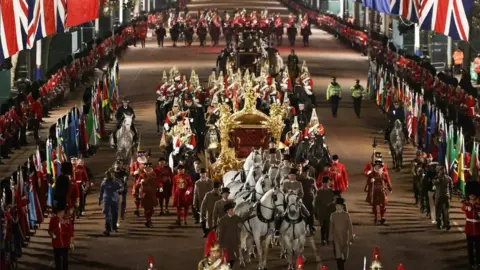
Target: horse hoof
{"x":283,"y":256}
{"x":252,"y":255}
{"x":242,"y":264}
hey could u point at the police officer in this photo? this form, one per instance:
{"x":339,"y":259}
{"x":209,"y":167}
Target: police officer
{"x":121,"y":175}
{"x":357,"y":95}
{"x":443,"y":193}
{"x":109,"y":196}
{"x":334,"y":95}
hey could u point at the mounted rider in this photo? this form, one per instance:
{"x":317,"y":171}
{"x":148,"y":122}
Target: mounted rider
{"x":293,"y":137}
{"x":126,"y":109}
{"x":272,"y":150}
{"x":395,"y":113}
{"x":173,"y":116}
{"x":314,"y":127}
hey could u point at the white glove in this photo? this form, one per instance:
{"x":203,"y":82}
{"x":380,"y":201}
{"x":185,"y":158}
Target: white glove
{"x":161,"y":190}
{"x":189,"y":146}
{"x":143,"y":180}
{"x":166,"y":126}
{"x":191,"y":120}
{"x":369,"y":172}
{"x":188,"y":192}
{"x":469,"y":208}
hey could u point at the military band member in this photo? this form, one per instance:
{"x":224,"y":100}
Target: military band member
{"x":208,"y":207}
{"x":378,"y":182}
{"x":173,"y":117}
{"x":202,"y":186}
{"x":218,"y":209}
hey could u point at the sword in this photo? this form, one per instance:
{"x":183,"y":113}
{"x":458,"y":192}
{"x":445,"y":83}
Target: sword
{"x":365,"y":263}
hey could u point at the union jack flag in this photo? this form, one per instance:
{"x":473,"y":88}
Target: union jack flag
{"x":408,"y":9}
{"x":13,"y":26}
{"x":448,"y":17}
{"x":45,"y":17}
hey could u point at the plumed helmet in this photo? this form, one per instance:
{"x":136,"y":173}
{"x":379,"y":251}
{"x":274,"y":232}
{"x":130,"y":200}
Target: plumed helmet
{"x":300,"y":263}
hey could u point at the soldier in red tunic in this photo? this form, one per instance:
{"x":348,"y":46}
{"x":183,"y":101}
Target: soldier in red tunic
{"x":376,"y":187}
{"x":182,"y":197}
{"x":339,"y":176}
{"x":377,"y":156}
{"x":80,"y":178}
{"x":471,"y":207}
{"x":164,"y":179}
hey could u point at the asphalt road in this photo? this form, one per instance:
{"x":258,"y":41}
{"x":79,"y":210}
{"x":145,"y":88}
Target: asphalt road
{"x":408,"y":237}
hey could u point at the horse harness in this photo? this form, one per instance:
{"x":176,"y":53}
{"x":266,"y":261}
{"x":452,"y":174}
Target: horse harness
{"x":292,"y":222}
{"x":261,"y":217}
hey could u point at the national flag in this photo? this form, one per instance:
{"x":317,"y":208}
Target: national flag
{"x":48,"y":153}
{"x":447,"y":17}
{"x":45,"y":18}
{"x":13,"y":27}
{"x":382,"y":6}
{"x":104,"y":93}
{"x":461,"y":165}
{"x":81,"y":11}
{"x":408,"y":9}
{"x":474,"y":161}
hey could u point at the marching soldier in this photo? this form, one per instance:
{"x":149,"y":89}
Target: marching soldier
{"x":202,"y":30}
{"x":377,"y":184}
{"x":182,"y":188}
{"x":164,"y":180}
{"x":207,"y":208}
{"x":218,"y":209}
{"x":202,"y":186}
{"x":443,"y":194}
{"x":121,"y":175}
{"x":80,"y":176}
{"x":341,"y":234}
{"x":334,"y":95}
{"x":161,"y":33}
{"x":357,"y":95}
{"x":36,"y":112}
{"x":308,"y":187}
{"x":109,"y":197}
{"x":323,"y":198}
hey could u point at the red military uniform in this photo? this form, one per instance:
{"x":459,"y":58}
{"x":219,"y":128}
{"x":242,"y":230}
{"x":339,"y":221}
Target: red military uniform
{"x":472,"y":222}
{"x":62,"y":231}
{"x":182,"y":194}
{"x":148,"y":191}
{"x":80,"y":178}
{"x":320,"y":130}
{"x":339,"y":177}
{"x":376,"y":186}
{"x":73,"y":196}
{"x":369,"y":168}
{"x":164,"y":179}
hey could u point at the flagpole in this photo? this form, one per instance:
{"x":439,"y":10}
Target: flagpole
{"x":38,"y":59}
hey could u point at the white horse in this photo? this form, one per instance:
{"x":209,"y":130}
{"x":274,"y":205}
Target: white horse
{"x":259,"y":228}
{"x":274,"y":174}
{"x":124,"y":137}
{"x":293,"y":232}
{"x":240,"y":190}
{"x":255,"y":157}
{"x":264,"y":184}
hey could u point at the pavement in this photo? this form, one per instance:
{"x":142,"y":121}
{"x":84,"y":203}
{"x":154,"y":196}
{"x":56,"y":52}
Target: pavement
{"x":408,"y":237}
